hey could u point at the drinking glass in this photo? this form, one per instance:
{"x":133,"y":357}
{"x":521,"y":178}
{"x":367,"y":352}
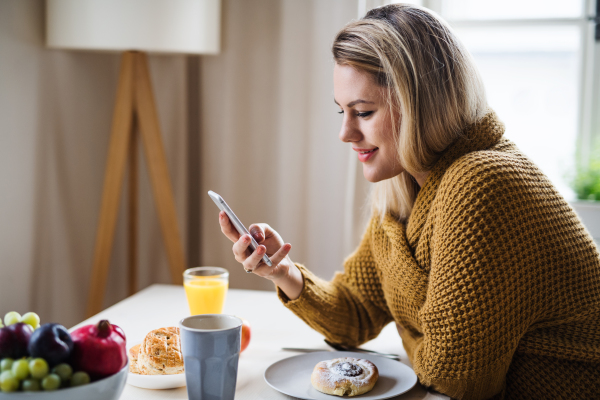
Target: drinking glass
{"x":206,"y":288}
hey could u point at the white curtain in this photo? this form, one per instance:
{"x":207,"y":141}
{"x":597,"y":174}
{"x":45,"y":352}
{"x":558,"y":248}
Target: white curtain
{"x":269,"y":129}
{"x":55,"y":117}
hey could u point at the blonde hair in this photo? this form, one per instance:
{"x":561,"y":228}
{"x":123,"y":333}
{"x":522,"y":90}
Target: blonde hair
{"x":430,"y":80}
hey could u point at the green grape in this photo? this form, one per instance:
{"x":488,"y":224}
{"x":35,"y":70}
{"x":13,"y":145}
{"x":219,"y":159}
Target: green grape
{"x":80,"y":378}
{"x":31,"y":385}
{"x":6,"y":364}
{"x":8,"y":382}
{"x":11,"y":317}
{"x":38,"y":368}
{"x":51,"y":382}
{"x":20,"y":369}
{"x":64,"y":371}
{"x":1,"y":324}
{"x":32,"y":319}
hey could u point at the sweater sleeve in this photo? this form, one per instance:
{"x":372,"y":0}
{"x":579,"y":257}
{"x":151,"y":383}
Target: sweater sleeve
{"x":482,"y":294}
{"x":350,"y":309}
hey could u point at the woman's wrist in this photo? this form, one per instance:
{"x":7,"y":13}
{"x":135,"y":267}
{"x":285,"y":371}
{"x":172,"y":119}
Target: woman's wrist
{"x":291,"y":283}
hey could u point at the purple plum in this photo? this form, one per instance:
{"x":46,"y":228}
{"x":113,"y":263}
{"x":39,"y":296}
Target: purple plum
{"x":14,"y":340}
{"x":52,"y":342}
{"x":6,"y":343}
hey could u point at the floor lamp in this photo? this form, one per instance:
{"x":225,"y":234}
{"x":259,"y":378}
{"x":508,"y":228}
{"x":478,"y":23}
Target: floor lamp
{"x":134,"y":27}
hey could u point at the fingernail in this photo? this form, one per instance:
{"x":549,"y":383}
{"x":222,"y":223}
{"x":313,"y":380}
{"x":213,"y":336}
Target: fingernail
{"x":246,"y":239}
{"x":261,"y":250}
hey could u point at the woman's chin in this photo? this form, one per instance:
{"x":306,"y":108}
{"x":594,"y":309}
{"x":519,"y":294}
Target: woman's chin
{"x":372,"y":177}
{"x":376,"y":176}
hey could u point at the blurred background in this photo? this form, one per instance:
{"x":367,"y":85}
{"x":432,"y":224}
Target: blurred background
{"x":257,"y":124}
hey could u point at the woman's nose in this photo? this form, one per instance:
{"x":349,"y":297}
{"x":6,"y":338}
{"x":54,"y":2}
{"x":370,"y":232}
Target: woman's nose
{"x":348,"y":132}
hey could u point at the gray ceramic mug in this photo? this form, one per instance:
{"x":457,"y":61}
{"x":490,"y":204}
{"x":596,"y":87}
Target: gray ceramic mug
{"x":210,"y":344}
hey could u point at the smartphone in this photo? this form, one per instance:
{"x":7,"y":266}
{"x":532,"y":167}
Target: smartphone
{"x":237,"y":223}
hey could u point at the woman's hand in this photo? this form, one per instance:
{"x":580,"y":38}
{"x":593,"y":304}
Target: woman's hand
{"x":283,"y":272}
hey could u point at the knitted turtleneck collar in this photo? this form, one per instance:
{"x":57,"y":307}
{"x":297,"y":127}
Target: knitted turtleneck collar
{"x":479,"y":136}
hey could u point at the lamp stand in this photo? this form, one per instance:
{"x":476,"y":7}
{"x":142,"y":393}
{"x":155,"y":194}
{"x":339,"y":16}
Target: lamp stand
{"x":134,"y":106}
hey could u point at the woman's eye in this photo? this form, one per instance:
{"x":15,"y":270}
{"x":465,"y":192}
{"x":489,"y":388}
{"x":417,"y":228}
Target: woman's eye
{"x":359,"y":114}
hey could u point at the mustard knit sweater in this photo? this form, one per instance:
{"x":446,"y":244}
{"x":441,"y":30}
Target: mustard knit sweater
{"x":493,"y":281}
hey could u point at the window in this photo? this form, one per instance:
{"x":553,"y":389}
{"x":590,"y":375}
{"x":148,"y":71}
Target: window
{"x":537,"y":59}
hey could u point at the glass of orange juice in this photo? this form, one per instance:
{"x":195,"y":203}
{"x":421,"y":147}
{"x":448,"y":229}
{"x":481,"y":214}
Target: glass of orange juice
{"x":205,"y":288}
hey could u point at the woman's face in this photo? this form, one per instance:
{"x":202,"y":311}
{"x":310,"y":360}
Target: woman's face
{"x":367,"y":123}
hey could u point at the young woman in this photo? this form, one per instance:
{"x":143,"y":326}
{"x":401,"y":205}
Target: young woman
{"x":491,"y":278}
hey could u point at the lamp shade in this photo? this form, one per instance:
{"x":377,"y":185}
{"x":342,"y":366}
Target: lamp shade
{"x":163,"y":26}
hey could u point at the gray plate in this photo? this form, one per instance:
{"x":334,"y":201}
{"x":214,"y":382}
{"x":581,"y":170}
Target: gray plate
{"x":291,"y":376}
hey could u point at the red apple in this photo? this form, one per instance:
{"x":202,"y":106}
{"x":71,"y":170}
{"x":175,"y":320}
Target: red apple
{"x":245,"y":334}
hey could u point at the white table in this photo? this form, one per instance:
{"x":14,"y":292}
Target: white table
{"x":273,"y":327}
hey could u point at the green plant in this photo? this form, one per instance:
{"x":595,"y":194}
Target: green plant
{"x":586,"y":180}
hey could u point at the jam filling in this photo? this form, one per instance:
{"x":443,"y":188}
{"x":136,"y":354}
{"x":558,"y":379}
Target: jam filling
{"x":348,"y":369}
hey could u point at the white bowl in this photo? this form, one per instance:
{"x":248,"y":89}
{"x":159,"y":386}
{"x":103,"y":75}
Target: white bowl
{"x":156,"y":381}
{"x":109,"y":388}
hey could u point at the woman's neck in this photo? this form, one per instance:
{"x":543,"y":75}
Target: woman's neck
{"x":421,"y":178}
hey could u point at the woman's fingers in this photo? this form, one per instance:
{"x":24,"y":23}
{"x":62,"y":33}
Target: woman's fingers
{"x":281,"y":254}
{"x":254,"y":259}
{"x":263,"y":269}
{"x":263,"y":232}
{"x":240,"y":248}
{"x":257,"y":231}
{"x":227,"y":227}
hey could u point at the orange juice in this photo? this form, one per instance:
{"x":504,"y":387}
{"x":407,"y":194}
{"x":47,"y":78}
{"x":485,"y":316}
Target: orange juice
{"x":206,"y":295}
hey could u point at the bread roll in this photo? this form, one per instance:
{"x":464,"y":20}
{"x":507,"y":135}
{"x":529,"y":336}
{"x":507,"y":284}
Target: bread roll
{"x":344,"y":376}
{"x":160,"y":353}
{"x":133,"y":358}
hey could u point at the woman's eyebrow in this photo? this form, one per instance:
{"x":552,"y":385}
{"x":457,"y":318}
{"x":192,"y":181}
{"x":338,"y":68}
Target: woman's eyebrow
{"x":355,"y":102}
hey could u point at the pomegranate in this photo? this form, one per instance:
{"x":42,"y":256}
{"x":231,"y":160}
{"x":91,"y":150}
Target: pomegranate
{"x":100,"y":350}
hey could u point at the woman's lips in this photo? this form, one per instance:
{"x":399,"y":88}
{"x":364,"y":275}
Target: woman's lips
{"x":365,"y":154}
